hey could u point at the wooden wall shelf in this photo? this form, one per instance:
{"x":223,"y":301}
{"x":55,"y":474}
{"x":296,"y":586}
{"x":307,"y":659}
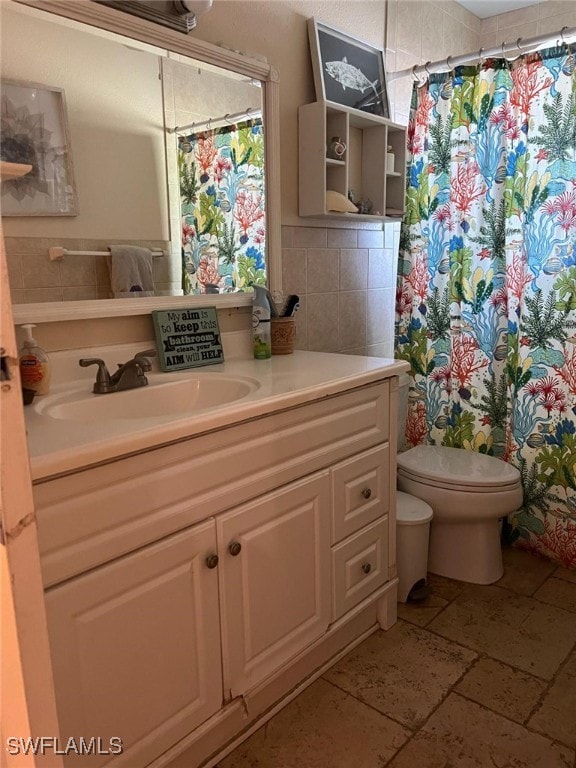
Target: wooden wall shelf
{"x":362,"y":168}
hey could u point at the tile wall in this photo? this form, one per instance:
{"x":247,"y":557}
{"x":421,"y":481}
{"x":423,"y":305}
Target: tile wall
{"x":548,"y":16}
{"x":418,"y":31}
{"x":346,"y":281}
{"x":34,"y":278}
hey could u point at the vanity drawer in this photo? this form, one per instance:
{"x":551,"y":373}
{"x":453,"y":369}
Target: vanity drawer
{"x":360,"y":491}
{"x":359,"y":566}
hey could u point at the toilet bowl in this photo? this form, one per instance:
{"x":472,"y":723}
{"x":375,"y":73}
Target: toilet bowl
{"x":468,"y":492}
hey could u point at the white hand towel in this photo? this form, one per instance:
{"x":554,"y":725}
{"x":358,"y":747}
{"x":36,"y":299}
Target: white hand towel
{"x":130,"y":268}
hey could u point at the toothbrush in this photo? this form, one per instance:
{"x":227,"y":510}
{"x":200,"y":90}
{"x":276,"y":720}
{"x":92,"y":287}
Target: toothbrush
{"x":291,"y":305}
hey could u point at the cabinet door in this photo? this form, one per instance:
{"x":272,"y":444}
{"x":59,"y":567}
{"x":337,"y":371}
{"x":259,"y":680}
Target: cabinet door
{"x":136,"y":649}
{"x":274,"y":580}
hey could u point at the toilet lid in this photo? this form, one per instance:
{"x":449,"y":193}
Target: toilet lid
{"x":410,"y":510}
{"x":456,"y":467}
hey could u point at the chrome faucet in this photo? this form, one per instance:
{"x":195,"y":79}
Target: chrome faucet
{"x":129,"y":375}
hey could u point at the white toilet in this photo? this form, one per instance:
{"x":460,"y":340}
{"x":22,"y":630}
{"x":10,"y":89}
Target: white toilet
{"x":468,"y":493}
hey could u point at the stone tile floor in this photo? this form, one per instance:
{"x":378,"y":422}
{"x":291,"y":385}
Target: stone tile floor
{"x":471,"y":677}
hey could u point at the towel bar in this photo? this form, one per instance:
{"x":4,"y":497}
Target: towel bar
{"x":56,"y":253}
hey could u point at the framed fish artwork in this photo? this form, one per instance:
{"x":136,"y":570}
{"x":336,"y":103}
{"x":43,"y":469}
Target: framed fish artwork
{"x":348,"y":71}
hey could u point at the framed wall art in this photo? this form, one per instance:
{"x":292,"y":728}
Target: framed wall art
{"x":34,"y":131}
{"x":347,"y":71}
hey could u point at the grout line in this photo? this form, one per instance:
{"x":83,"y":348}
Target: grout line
{"x":370,"y":706}
{"x":546,"y":691}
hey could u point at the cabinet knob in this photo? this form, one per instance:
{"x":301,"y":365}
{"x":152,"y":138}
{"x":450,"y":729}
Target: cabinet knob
{"x":212,"y":561}
{"x":367,"y":492}
{"x":235,"y":548}
{"x":366,"y":567}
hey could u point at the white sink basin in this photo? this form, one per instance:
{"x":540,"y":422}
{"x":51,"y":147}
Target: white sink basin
{"x":162,"y":397}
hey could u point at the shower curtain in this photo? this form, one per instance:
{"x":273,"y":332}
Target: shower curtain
{"x":222,"y":200}
{"x":486,"y":298}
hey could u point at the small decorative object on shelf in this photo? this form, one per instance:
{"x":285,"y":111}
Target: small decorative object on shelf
{"x":365,"y":206}
{"x":390,"y":160}
{"x":336,"y":148}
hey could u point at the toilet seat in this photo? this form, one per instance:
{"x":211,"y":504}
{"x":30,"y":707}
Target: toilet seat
{"x":456,"y":469}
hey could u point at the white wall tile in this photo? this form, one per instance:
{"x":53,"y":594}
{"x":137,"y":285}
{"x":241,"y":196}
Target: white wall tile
{"x":353,"y":269}
{"x":322,"y":311}
{"x":342,"y":238}
{"x":323,"y":268}
{"x":309,"y":237}
{"x":370,"y":238}
{"x":294,"y":271}
{"x":352,"y":319}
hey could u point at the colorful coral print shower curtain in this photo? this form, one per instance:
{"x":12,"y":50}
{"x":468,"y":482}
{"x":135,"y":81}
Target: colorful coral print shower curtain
{"x":222,"y":198}
{"x":486,"y":301}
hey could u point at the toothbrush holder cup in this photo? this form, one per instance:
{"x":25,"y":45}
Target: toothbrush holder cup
{"x":283,"y":333}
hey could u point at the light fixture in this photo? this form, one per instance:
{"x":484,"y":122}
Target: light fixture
{"x":191,"y":9}
{"x":176,"y":14}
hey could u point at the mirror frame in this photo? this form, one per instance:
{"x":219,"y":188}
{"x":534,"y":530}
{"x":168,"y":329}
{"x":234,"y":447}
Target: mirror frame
{"x":104,"y":17}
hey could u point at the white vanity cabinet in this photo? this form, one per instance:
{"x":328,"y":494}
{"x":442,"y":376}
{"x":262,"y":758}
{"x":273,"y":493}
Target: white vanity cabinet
{"x":191,"y":587}
{"x":136,"y":647}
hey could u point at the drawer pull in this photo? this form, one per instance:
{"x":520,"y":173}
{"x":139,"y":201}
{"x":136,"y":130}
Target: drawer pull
{"x":366,"y":567}
{"x":367,"y":492}
{"x":235,"y":548}
{"x":212,"y":561}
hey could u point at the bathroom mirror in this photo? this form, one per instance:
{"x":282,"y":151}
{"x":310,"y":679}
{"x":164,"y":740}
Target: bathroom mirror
{"x":162,"y":72}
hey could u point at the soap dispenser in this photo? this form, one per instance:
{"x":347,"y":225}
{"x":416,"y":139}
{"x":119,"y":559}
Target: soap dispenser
{"x":34,"y":364}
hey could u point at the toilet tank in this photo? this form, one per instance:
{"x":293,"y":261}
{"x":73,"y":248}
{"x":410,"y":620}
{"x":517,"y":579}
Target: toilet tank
{"x":403,"y":389}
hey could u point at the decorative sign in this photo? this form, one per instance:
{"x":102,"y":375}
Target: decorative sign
{"x":187,"y":338}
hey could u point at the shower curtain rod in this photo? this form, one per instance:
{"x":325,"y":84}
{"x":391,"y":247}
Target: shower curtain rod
{"x":247,"y":113}
{"x":447,"y":64}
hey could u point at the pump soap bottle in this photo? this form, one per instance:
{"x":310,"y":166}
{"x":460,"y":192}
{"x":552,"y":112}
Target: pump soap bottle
{"x":34,"y":364}
{"x":261,"y":324}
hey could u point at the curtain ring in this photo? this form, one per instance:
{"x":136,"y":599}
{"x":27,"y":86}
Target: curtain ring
{"x":566,"y":43}
{"x":426,"y":68}
{"x":481,"y":56}
{"x":518,"y":44}
{"x":417,"y":78}
{"x":449,"y":63}
{"x":506,"y":59}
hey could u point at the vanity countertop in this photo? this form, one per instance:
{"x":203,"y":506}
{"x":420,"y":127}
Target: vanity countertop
{"x":61,"y":445}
